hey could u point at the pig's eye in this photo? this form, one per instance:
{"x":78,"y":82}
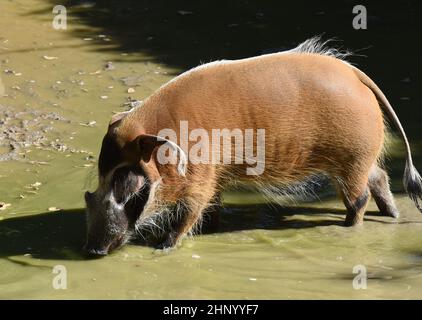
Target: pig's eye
{"x":124,"y":183}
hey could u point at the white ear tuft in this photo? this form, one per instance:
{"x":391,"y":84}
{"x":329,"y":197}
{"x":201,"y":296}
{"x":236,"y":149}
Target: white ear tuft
{"x":183,"y":159}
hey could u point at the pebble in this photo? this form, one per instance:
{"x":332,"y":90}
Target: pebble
{"x":130,"y":90}
{"x":4,"y":206}
{"x":195,"y":256}
{"x":52,"y":209}
{"x":104,"y":97}
{"x":50,"y":58}
{"x":95,"y":72}
{"x":109,"y":66}
{"x":36,"y":184}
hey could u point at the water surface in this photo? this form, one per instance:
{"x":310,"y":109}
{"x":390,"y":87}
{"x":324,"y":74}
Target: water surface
{"x":63,"y":80}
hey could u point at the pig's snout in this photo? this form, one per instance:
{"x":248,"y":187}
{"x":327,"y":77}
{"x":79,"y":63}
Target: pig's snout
{"x":95,"y":250}
{"x":91,"y":251}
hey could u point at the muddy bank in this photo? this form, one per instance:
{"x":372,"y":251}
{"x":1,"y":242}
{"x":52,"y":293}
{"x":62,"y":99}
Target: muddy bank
{"x":27,"y":129}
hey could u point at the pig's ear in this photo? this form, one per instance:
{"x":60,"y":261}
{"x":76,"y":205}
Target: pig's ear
{"x":147,"y":143}
{"x":117,"y":117}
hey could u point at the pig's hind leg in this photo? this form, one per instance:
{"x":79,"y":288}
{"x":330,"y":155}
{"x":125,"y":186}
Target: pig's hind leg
{"x":355,"y":193}
{"x":380,"y":190}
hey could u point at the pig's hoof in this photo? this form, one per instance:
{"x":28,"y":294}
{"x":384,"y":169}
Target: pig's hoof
{"x":394,"y":213}
{"x":353,"y":223}
{"x":168,"y":244}
{"x":164,"y":247}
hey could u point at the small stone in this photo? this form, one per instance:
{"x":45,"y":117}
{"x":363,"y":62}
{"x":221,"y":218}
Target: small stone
{"x":95,"y":72}
{"x":36,"y":184}
{"x":4,"y":206}
{"x":104,"y":97}
{"x":195,"y":256}
{"x":52,"y":209}
{"x":109,"y":66}
{"x":253,"y":279}
{"x":50,"y":58}
{"x":130,"y":90}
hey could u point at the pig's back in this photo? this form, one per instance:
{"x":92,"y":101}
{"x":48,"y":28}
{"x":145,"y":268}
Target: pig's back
{"x":305,"y":102}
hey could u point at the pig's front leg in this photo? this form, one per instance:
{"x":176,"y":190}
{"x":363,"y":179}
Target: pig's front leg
{"x":187,"y":219}
{"x":183,"y":223}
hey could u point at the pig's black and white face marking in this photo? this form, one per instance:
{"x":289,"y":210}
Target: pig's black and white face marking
{"x":114,"y":207}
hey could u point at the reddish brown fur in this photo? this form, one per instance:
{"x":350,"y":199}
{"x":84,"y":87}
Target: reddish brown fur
{"x":320,"y":115}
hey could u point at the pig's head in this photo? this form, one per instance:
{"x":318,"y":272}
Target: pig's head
{"x":112,"y":210}
{"x":125,"y":180}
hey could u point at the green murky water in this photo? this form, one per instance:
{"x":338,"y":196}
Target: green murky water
{"x":257,"y":252}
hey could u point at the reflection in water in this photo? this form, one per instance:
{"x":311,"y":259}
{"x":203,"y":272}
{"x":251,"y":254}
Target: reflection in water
{"x":256,"y":251}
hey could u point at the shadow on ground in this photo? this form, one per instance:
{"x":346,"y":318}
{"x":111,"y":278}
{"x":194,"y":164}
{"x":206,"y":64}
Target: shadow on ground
{"x":60,"y":235}
{"x":52,"y":235}
{"x":183,"y":33}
